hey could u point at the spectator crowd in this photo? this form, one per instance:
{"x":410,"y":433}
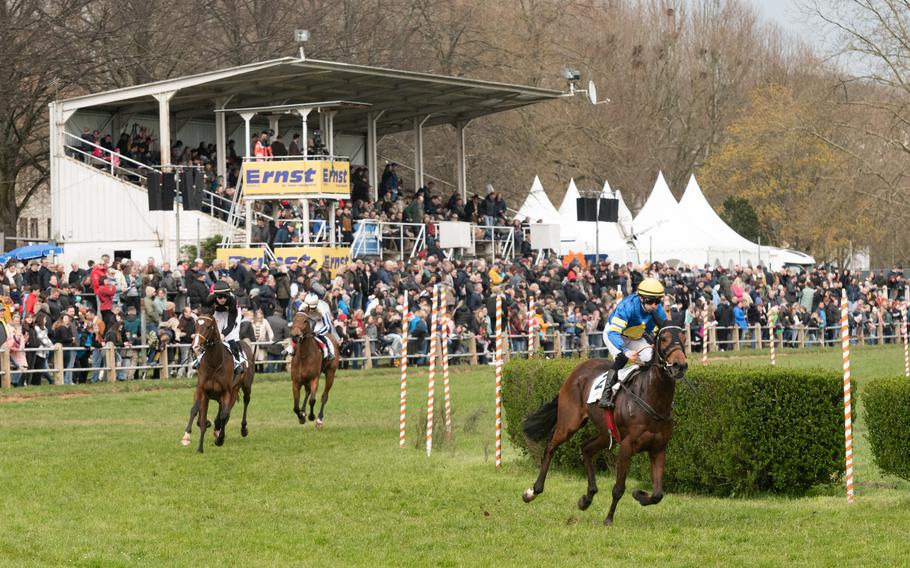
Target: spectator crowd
{"x":140,"y":308}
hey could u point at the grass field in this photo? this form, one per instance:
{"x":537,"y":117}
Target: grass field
{"x":96,"y":476}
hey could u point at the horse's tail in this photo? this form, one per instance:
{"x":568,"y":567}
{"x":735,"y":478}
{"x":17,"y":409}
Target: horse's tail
{"x":538,"y":425}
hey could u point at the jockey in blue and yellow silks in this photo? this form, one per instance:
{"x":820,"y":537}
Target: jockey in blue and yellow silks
{"x":635,"y":316}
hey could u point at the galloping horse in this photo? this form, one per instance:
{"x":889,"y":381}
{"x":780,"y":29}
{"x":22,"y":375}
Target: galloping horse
{"x":643,"y":418}
{"x":306,"y":366}
{"x":215,"y":380}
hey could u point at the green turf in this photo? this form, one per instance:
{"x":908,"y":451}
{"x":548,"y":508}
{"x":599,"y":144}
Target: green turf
{"x":99,"y":478}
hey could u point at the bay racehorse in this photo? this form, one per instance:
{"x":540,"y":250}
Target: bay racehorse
{"x":307,"y":365}
{"x":642,"y":420}
{"x":215,"y":380}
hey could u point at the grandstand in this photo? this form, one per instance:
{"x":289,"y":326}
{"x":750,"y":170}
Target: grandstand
{"x":100,"y":187}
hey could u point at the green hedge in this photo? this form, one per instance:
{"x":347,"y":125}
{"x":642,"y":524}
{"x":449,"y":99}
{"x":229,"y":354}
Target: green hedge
{"x":886,"y":403}
{"x":746,"y":430}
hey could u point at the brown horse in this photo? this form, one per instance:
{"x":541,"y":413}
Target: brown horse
{"x":215,"y":380}
{"x":306,"y":366}
{"x":643,"y":417}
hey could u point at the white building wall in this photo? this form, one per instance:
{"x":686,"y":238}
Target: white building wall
{"x":99,"y":213}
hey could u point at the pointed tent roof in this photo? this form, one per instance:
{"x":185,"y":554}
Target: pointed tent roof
{"x":568,"y":213}
{"x":661,"y":207}
{"x":537,"y":206}
{"x":699,"y":212}
{"x":624,"y":223}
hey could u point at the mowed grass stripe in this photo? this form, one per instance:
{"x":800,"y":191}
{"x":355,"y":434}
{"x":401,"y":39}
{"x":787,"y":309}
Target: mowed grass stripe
{"x":102,"y":480}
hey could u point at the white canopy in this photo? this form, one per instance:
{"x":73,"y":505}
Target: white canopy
{"x":661,"y":207}
{"x":537,"y":206}
{"x":570,"y":227}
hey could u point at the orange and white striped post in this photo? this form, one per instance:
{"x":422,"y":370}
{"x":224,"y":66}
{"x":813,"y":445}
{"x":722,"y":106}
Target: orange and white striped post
{"x":848,"y":413}
{"x":498,"y":381}
{"x":704,"y":345}
{"x":431,"y":379}
{"x":404,"y":373}
{"x":531,"y":321}
{"x":444,"y":338}
{"x":906,"y":339}
{"x":773,"y":346}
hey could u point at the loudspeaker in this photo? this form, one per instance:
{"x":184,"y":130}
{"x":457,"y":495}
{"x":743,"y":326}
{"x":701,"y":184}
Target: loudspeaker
{"x":168,"y":190}
{"x":586,"y":209}
{"x":609,"y":210}
{"x":154,"y":191}
{"x":191,"y":182}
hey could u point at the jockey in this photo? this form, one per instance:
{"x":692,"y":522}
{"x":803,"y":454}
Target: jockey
{"x":320,"y":315}
{"x":635,"y":316}
{"x":227,"y":315}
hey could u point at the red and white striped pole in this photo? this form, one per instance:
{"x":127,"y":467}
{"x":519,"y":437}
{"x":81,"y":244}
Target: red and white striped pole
{"x":404,"y":374}
{"x":906,"y":339}
{"x":431,"y":379}
{"x":705,"y":343}
{"x":444,"y":337}
{"x":773,"y":346}
{"x":848,"y":413}
{"x":531,"y":321}
{"x":498,"y":381}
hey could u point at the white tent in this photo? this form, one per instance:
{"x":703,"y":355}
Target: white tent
{"x":663,"y":233}
{"x":537,"y":206}
{"x":613,"y":239}
{"x":570,"y":227}
{"x":661,"y":207}
{"x":728,"y":246}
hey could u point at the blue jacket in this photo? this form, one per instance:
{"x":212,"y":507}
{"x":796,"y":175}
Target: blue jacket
{"x":630,"y":320}
{"x":740,"y":316}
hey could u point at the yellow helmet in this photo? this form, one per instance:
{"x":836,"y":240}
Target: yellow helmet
{"x":651,"y":287}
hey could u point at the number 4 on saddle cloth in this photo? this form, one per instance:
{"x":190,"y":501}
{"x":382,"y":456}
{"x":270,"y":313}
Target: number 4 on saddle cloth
{"x":597,"y":389}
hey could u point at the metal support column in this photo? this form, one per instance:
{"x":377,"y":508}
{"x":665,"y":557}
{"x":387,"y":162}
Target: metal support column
{"x":372,"y":142}
{"x":461,"y":174}
{"x":164,"y":126}
{"x":304,"y":113}
{"x":248,"y":204}
{"x":331,"y":227}
{"x":328,"y":135}
{"x":305,"y":237}
{"x":273,"y":125}
{"x":247,"y":117}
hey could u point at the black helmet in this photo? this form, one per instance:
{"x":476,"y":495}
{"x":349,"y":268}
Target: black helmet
{"x":221,"y":289}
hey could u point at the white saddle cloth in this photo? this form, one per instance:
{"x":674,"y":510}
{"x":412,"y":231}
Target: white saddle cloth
{"x":597,"y":387}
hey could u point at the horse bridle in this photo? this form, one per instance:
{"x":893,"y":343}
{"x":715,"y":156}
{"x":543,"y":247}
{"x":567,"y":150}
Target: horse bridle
{"x":674,"y":347}
{"x":205,"y":341}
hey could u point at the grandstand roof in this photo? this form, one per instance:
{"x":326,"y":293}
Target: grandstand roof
{"x":403,"y":95}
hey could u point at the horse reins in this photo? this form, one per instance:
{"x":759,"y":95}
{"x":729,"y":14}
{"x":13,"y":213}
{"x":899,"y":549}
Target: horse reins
{"x":663,"y":365}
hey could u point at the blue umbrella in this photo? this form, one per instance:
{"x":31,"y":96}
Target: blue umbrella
{"x":31,"y":251}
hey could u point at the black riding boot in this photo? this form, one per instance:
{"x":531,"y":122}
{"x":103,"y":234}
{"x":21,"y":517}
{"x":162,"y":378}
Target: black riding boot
{"x":606,"y":399}
{"x":234,"y":346}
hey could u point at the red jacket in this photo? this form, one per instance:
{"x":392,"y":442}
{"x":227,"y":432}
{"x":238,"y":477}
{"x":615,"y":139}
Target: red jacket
{"x":98,"y":271}
{"x":106,"y":296}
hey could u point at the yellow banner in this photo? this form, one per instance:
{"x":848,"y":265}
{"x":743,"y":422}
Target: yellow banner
{"x":298,"y":176}
{"x":333,"y":258}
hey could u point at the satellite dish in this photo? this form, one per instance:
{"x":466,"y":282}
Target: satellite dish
{"x":592,"y":93}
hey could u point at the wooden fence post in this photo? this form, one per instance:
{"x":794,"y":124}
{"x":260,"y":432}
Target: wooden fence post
{"x":557,"y":344}
{"x":367,"y":353}
{"x":506,"y":345}
{"x":59,"y":365}
{"x":801,"y":337}
{"x":736,"y":346}
{"x":110,"y":361}
{"x":165,"y":362}
{"x":472,"y":348}
{"x":687,"y":341}
{"x":756,"y":332}
{"x":585,"y":351}
{"x":780,"y":341}
{"x":881,"y":331}
{"x":6,"y":368}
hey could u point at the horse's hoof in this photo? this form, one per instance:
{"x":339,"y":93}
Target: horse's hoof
{"x":319,"y":424}
{"x":608,"y":522}
{"x":584,"y":503}
{"x":219,"y":442}
{"x":640,"y":496}
{"x":244,"y":432}
{"x":528,"y":495}
{"x":199,"y":450}
{"x":186,"y":439}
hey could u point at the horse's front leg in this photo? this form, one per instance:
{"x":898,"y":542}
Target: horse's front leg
{"x":203,"y":420}
{"x":622,"y":469}
{"x":247,"y":392}
{"x":224,"y":414}
{"x":301,"y":415}
{"x":658,"y":460}
{"x":588,"y":451}
{"x":189,"y":425}
{"x":311,"y":396}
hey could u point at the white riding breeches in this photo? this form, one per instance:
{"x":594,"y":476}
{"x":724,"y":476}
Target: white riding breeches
{"x":644,"y":349}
